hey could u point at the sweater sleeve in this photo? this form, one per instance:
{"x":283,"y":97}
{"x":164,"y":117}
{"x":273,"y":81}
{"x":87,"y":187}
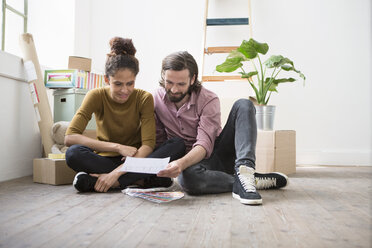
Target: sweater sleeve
{"x":84,"y":113}
{"x":148,"y":130}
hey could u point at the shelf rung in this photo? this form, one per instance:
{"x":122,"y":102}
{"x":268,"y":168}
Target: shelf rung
{"x":227,"y":49}
{"x":222,"y":78}
{"x":226,"y":21}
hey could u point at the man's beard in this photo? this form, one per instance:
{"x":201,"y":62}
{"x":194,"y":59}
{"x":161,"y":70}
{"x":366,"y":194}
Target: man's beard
{"x":177,"y":98}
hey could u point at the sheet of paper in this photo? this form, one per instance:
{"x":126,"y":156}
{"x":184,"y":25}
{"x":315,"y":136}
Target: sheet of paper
{"x":30,"y":71}
{"x":145,"y":165}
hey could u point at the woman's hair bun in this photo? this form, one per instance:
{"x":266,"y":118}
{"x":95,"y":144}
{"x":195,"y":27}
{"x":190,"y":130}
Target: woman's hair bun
{"x":122,"y":46}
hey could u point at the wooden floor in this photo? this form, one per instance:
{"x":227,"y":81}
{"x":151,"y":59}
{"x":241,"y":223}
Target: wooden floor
{"x":322,"y":207}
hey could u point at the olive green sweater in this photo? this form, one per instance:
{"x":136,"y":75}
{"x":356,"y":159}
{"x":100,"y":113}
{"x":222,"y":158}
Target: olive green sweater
{"x":131,"y":123}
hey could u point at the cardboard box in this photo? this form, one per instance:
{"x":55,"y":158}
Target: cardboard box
{"x":79,"y":63}
{"x":276,"y":151}
{"x":73,"y":78}
{"x":52,"y":171}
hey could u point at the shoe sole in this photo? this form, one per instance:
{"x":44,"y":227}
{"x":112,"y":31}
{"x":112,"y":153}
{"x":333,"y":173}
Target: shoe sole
{"x":76,"y":176}
{"x":75,"y":179}
{"x":247,"y":201}
{"x":286,"y":178}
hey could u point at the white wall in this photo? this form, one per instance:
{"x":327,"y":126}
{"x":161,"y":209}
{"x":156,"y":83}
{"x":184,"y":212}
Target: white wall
{"x":52,"y":25}
{"x":330,"y":41}
{"x":20,"y":138}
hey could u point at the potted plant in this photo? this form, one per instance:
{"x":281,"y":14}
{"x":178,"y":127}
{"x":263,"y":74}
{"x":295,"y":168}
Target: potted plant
{"x":263,"y":79}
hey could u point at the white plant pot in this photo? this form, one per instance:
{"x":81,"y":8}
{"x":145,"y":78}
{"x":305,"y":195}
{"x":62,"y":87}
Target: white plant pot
{"x":265,"y":117}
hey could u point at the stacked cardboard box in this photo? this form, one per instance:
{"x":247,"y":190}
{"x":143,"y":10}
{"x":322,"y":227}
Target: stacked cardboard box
{"x":276,"y":151}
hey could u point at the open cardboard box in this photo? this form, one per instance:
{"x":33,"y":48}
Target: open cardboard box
{"x":276,"y":151}
{"x":55,"y":171}
{"x":52,"y":171}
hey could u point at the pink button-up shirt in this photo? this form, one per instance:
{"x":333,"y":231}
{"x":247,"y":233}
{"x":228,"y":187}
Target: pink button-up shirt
{"x":197,"y":122}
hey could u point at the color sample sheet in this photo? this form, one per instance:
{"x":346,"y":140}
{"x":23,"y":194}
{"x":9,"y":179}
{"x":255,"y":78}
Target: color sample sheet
{"x":145,"y":165}
{"x":158,"y":197}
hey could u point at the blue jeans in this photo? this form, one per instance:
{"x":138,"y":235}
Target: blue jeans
{"x":82,"y":158}
{"x":235,"y":146}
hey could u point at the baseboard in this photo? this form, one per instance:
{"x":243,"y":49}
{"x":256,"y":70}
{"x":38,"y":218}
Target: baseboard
{"x":343,"y":158}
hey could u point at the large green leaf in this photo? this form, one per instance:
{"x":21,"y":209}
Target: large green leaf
{"x":291,"y":68}
{"x":277,"y":61}
{"x":268,"y":84}
{"x":302,"y":76}
{"x":249,"y":74}
{"x":276,"y":82}
{"x":236,"y":54}
{"x":287,"y":67}
{"x":273,"y":87}
{"x":230,"y":65}
{"x":251,"y":48}
{"x":284,"y":80}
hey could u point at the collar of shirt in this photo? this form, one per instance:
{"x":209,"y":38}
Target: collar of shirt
{"x":188,"y":104}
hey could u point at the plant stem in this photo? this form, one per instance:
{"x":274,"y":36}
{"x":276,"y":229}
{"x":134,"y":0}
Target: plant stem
{"x":277,"y":73}
{"x":272,"y":78}
{"x":262,"y":75}
{"x":262,"y":82}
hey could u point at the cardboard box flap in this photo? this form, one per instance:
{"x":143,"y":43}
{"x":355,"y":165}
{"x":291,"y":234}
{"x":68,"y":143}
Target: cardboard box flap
{"x":80,"y":63}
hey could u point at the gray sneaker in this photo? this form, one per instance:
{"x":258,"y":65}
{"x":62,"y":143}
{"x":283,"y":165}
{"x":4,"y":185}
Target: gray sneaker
{"x":244,"y":188}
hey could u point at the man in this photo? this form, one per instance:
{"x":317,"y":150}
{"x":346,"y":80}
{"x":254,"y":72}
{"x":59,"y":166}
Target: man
{"x":216,"y":160}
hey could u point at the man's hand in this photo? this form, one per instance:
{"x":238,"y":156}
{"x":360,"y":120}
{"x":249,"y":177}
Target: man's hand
{"x":105,"y":181}
{"x":173,"y":169}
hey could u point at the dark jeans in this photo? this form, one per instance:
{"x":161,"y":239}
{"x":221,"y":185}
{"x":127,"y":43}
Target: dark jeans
{"x":235,"y":146}
{"x":82,"y":158}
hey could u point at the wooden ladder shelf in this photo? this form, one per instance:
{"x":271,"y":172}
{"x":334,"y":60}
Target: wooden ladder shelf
{"x":221,"y":49}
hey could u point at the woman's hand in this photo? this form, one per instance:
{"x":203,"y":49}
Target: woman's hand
{"x":105,"y":181}
{"x":127,"y":151}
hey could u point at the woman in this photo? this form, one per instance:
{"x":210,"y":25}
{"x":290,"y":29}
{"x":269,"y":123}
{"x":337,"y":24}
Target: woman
{"x":125,"y":127}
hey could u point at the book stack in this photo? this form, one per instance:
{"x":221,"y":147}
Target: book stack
{"x":73,"y":78}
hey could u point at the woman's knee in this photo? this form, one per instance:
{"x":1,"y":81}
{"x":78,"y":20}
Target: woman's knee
{"x":73,"y":155}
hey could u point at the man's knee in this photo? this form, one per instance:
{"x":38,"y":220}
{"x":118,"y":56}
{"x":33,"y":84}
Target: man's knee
{"x":244,"y":105}
{"x":191,"y":181}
